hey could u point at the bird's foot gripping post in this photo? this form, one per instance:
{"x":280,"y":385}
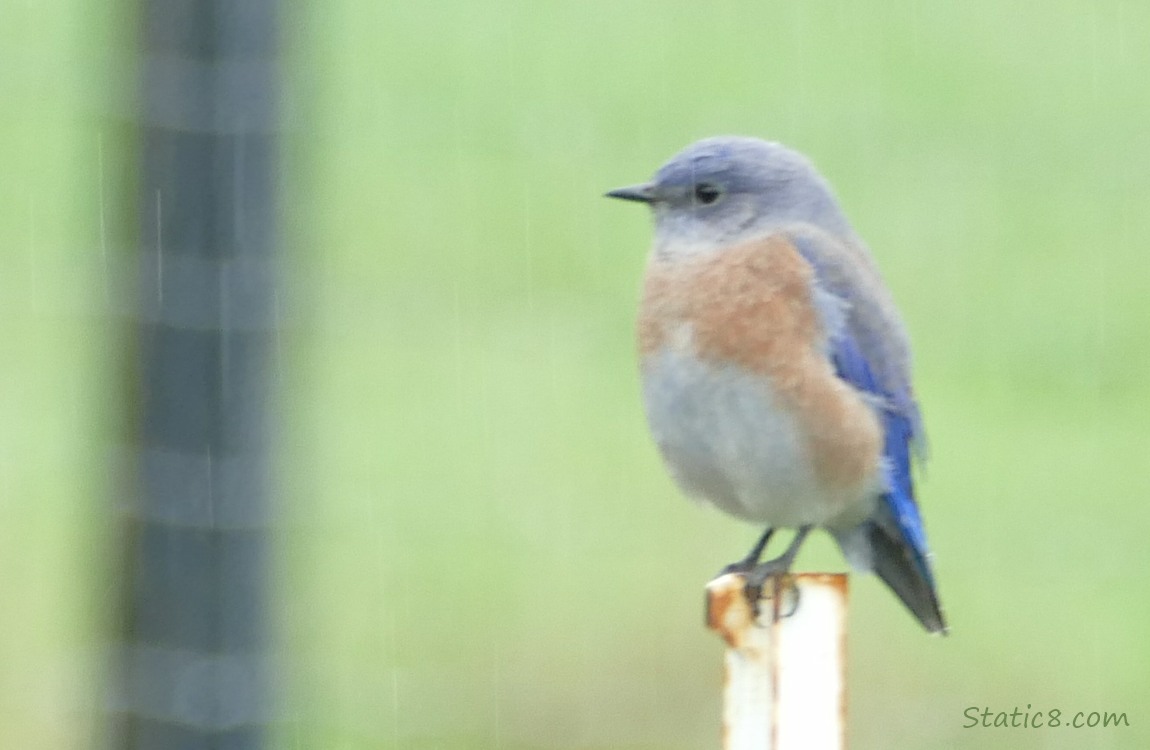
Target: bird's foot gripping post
{"x":785,"y":683}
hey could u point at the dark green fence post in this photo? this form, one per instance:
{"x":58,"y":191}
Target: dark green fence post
{"x":194,"y":670}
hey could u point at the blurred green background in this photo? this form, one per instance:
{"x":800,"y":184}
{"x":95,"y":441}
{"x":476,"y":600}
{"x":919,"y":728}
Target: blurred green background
{"x":480,"y":548}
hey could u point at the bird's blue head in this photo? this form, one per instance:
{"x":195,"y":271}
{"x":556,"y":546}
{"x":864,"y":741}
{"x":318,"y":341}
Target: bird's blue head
{"x":725,"y":189}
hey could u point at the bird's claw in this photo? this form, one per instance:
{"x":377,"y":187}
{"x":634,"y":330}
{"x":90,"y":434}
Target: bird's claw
{"x":782,"y":591}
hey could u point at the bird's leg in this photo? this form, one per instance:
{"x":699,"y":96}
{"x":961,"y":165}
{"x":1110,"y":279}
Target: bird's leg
{"x":748,"y":563}
{"x":759,"y":574}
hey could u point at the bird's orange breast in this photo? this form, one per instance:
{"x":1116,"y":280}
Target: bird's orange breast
{"x":752,"y":307}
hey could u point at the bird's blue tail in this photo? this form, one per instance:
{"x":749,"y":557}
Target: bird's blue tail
{"x":902,"y":564}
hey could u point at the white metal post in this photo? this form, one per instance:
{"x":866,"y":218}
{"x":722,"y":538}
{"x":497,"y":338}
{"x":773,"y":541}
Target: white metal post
{"x":785,"y":686}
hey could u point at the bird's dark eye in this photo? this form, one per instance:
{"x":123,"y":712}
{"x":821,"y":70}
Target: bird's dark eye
{"x":707,"y":193}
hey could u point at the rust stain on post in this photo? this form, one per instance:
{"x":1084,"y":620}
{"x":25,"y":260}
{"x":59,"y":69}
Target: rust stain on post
{"x":728,"y":612}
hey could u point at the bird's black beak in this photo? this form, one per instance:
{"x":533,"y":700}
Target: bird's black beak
{"x":644,"y":193}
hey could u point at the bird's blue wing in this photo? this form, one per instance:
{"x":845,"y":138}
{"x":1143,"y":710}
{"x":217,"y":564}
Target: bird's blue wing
{"x":898,"y":435}
{"x":868,"y":350}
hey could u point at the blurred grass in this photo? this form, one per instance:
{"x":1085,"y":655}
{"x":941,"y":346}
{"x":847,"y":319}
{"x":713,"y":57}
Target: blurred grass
{"x":58,"y":171}
{"x":481,"y":548}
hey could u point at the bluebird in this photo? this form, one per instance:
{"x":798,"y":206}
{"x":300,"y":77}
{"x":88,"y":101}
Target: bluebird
{"x":775,"y":367}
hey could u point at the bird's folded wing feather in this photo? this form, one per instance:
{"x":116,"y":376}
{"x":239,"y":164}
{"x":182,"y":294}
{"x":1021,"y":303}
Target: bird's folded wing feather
{"x":869,"y":349}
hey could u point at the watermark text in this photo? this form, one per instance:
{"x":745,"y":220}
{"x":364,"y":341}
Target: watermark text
{"x":985,"y":717}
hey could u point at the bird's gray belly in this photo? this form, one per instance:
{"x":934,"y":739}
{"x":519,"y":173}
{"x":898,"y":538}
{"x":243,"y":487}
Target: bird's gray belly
{"x":727,"y":440}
